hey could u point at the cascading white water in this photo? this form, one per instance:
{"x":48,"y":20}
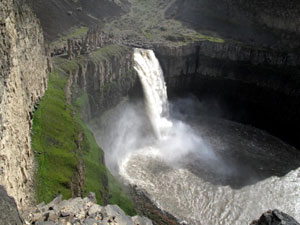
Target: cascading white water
{"x":155,"y":90}
{"x":178,"y":170}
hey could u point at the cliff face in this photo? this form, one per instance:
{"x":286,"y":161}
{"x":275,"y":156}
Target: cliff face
{"x":247,"y":83}
{"x":227,"y":60}
{"x":103,"y":79}
{"x":58,"y":16}
{"x":23,"y":81}
{"x":265,"y":22}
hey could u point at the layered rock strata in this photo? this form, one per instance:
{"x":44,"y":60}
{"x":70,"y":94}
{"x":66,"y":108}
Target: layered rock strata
{"x":104,"y":78}
{"x":23,"y":80}
{"x":243,"y":82}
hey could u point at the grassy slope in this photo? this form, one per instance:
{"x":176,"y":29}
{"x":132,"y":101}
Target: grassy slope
{"x":73,"y":33}
{"x":151,"y":25}
{"x":56,"y":126}
{"x":54,"y":133}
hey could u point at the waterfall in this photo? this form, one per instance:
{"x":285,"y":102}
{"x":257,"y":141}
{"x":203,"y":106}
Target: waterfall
{"x":155,"y":90}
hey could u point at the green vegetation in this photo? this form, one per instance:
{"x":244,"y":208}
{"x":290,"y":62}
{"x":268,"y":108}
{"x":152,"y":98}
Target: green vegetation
{"x":54,"y":134}
{"x":108,"y":52}
{"x":144,"y":23}
{"x":73,"y":33}
{"x":96,"y":173}
{"x":57,"y":127}
{"x":199,"y":37}
{"x":119,"y":197}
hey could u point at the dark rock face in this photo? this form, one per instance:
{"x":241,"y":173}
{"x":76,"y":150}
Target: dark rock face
{"x":105,"y":80}
{"x":58,"y":16}
{"x":275,"y":217}
{"x":244,"y":83}
{"x":150,"y":210}
{"x":8,"y":209}
{"x":265,"y":22}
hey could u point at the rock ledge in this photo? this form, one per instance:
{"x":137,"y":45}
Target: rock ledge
{"x":80,"y":211}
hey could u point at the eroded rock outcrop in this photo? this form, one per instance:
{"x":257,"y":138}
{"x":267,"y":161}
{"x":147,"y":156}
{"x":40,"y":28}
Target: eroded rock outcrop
{"x":23,"y":80}
{"x":9,"y":213}
{"x":275,"y":217}
{"x":104,"y":77}
{"x":80,"y":211}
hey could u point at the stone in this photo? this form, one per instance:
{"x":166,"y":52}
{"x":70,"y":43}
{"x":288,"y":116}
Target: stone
{"x":45,"y":223}
{"x":55,"y":201}
{"x":113,"y":210}
{"x":52,"y":216}
{"x":38,"y":217}
{"x":141,"y":220}
{"x":8,"y":209}
{"x":82,"y":211}
{"x":92,"y":197}
{"x":94,"y":210}
{"x":90,"y":222}
{"x":275,"y":217}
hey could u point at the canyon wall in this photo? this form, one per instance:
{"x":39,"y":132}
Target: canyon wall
{"x":238,"y":82}
{"x":102,"y":79}
{"x":23,"y":80}
{"x":265,"y":22}
{"x":57,"y":17}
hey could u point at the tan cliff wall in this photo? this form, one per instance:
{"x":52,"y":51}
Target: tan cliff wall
{"x":23,"y":71}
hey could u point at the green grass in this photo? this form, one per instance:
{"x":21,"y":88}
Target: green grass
{"x":96,"y":173}
{"x":199,"y":37}
{"x":108,"y":52}
{"x":81,"y":101}
{"x":73,"y":33}
{"x":55,"y":132}
{"x":144,"y":23}
{"x":118,"y":196}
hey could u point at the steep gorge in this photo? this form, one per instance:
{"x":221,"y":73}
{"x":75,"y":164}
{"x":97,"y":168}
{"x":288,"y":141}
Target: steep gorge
{"x":102,"y":79}
{"x":240,"y":81}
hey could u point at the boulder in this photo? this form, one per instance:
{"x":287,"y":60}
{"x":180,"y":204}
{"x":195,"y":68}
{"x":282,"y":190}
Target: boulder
{"x":275,"y":217}
{"x":9,"y":213}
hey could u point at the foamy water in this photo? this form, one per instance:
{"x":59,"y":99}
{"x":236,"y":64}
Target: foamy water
{"x":190,"y":198}
{"x":155,"y":90}
{"x":178,"y":168}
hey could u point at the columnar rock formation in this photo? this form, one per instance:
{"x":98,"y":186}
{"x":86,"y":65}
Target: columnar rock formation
{"x":104,"y":77}
{"x":246,"y":82}
{"x":94,"y":39}
{"x":23,"y":80}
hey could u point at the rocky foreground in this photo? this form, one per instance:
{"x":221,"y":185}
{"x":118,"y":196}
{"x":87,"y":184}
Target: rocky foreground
{"x":85,"y":211}
{"x":275,"y":217}
{"x":80,"y":211}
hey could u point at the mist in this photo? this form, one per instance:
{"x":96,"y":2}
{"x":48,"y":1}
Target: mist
{"x":126,"y":130}
{"x":147,"y":126}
